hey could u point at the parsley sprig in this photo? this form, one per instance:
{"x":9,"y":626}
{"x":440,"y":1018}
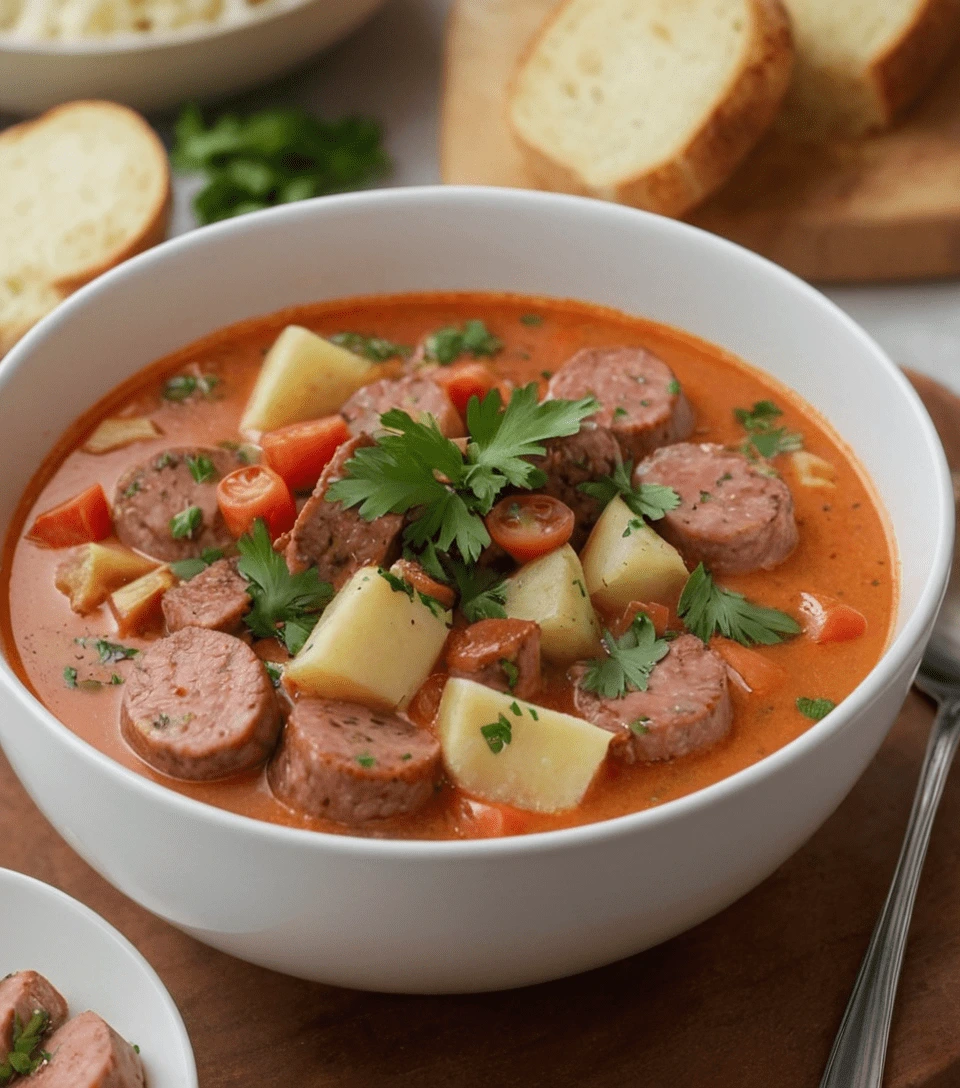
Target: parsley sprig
{"x":483,"y":593}
{"x":25,"y":1057}
{"x":815,"y":709}
{"x":649,"y":501}
{"x":285,"y":606}
{"x":631,"y":658}
{"x":374,"y":348}
{"x":763,"y":437}
{"x":708,"y":609}
{"x":185,"y":569}
{"x":414,"y":466}
{"x":497,"y":734}
{"x":448,"y":344}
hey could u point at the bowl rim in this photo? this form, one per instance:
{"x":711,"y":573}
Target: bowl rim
{"x":919,"y":622}
{"x":41,"y":890}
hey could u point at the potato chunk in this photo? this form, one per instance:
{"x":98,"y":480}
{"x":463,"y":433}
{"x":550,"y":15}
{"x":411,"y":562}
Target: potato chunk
{"x":552,"y":591}
{"x":624,"y":562}
{"x":114,"y":434}
{"x":530,"y":757}
{"x":303,"y":377}
{"x":136,"y":607}
{"x":94,"y":571}
{"x":374,"y":645}
{"x":813,"y":471}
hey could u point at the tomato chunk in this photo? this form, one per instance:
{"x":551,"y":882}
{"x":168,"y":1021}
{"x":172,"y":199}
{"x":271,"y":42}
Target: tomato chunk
{"x":757,"y":673}
{"x":825,"y":619}
{"x":463,"y":381}
{"x":659,"y":616}
{"x":81,"y":520}
{"x":256,"y":492}
{"x":479,"y":820}
{"x":528,"y":526}
{"x":300,"y":452}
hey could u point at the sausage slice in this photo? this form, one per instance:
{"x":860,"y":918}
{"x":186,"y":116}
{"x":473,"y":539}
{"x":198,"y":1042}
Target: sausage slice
{"x":685,"y":708}
{"x":199,"y":704}
{"x":336,"y":540}
{"x":735,"y":515}
{"x":641,"y":402}
{"x":149,"y":495}
{"x":416,"y":395}
{"x":87,"y":1053}
{"x":216,"y":598}
{"x":503,"y":654}
{"x":351,"y":764}
{"x":21,"y":995}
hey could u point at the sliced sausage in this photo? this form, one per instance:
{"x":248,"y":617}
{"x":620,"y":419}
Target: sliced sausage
{"x":216,"y":598}
{"x":21,"y":995}
{"x":338,"y":541}
{"x":685,"y":708}
{"x":87,"y":1053}
{"x":413,"y":574}
{"x":735,"y":515}
{"x":641,"y":401}
{"x":151,"y":494}
{"x":199,"y":704}
{"x":502,"y":653}
{"x":418,"y":396}
{"x":351,"y":764}
{"x":574,"y":460}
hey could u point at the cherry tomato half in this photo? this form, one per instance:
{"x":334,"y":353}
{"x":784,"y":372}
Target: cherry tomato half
{"x":527,"y":526}
{"x":256,"y":492}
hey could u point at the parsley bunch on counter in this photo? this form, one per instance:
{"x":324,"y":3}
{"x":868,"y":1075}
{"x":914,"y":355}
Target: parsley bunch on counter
{"x":274,"y":157}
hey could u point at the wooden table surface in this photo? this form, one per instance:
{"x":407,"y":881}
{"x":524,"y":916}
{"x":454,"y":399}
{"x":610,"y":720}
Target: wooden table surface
{"x":750,"y":999}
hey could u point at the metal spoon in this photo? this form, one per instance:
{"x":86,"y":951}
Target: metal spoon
{"x":860,"y":1049}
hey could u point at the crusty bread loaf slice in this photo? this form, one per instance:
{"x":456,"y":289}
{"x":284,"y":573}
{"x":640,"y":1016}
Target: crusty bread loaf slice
{"x":649,"y":102}
{"x":861,"y":62}
{"x":82,"y":188}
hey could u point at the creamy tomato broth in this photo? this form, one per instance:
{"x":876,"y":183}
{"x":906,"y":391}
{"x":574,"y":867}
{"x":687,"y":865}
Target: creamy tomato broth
{"x":705,"y":713}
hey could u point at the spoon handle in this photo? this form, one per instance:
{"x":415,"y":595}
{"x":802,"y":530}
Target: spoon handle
{"x":860,"y":1048}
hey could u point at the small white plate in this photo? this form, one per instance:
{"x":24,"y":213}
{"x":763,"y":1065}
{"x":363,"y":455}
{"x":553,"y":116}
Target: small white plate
{"x":94,"y":967}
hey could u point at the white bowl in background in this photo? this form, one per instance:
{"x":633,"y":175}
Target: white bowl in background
{"x":162,"y":70}
{"x":94,"y":967}
{"x":466,"y":916}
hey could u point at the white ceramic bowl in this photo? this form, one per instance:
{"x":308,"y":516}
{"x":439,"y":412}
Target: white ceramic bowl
{"x":196,"y":63}
{"x":461,"y":916}
{"x":94,"y":967}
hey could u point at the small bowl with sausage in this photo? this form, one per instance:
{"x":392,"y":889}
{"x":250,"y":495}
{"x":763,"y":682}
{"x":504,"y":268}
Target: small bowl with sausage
{"x":474,"y":588}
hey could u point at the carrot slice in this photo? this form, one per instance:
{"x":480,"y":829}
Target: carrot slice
{"x":463,"y":381}
{"x":300,"y":452}
{"x":479,"y":820}
{"x":425,"y":705}
{"x":256,"y":492}
{"x":659,"y":615}
{"x":825,"y":619}
{"x":757,"y":673}
{"x":81,"y":520}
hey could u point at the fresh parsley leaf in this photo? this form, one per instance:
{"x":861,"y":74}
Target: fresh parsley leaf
{"x":183,"y":386}
{"x":640,"y":727}
{"x":202,"y":469}
{"x":763,"y":438}
{"x":631,"y":658}
{"x":673,"y":388}
{"x":285,"y":606}
{"x":366,"y":760}
{"x":510,"y":671}
{"x":374,"y":348}
{"x":708,"y":609}
{"x":186,"y":524}
{"x":70,"y":676}
{"x":483,"y":593}
{"x":759,"y":417}
{"x":274,"y":671}
{"x":816,"y":709}
{"x":109,"y":653}
{"x":497,"y":734}
{"x":25,"y":1057}
{"x":449,"y":343}
{"x":650,"y":501}
{"x":398,"y":585}
{"x":185,"y":569}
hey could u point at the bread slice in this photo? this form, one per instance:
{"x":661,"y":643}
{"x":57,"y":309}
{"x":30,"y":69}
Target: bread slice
{"x":649,"y":102}
{"x":82,"y":188}
{"x":861,"y":62}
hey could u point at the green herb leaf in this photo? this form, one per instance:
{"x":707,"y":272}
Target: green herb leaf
{"x":285,"y":606}
{"x":109,"y":653}
{"x":185,"y":569}
{"x":816,"y":709}
{"x":398,"y":585}
{"x":186,"y":524}
{"x":640,"y":727}
{"x":510,"y":671}
{"x":25,"y":1058}
{"x":274,"y":671}
{"x":483,"y":593}
{"x":366,"y":760}
{"x":708,"y":609}
{"x":497,"y":734}
{"x":650,"y":501}
{"x":448,"y":344}
{"x":531,"y":320}
{"x":631,"y":660}
{"x":202,"y":469}
{"x":374,"y":348}
{"x":70,"y":676}
{"x":183,"y":386}
{"x":764,"y":439}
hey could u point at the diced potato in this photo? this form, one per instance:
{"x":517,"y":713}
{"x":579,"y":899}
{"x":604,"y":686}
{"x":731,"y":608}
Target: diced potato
{"x":813,"y":471}
{"x":94,"y":571}
{"x":552,"y":591}
{"x":547,"y":764}
{"x":303,"y":377}
{"x":639,"y":566}
{"x":114,"y":434}
{"x":373,"y":645}
{"x":136,"y":607}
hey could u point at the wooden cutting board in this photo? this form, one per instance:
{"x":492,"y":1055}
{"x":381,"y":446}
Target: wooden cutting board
{"x":883,"y":208}
{"x":750,"y":999}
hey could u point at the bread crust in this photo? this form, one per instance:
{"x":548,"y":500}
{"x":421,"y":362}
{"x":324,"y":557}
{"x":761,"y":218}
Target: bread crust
{"x":742,"y":114}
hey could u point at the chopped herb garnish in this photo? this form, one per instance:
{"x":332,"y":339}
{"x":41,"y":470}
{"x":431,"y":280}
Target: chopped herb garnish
{"x":483,"y":593}
{"x":631,"y":658}
{"x":406,"y":756}
{"x":161,"y":721}
{"x":185,"y":569}
{"x":115,"y":680}
{"x":202,"y":469}
{"x":640,"y":727}
{"x":131,"y":489}
{"x":182,"y":386}
{"x":25,"y":1058}
{"x":70,"y":676}
{"x":366,"y":760}
{"x":447,"y":344}
{"x":764,"y":439}
{"x":673,"y":388}
{"x":705,"y":496}
{"x":374,"y":348}
{"x":583,"y":589}
{"x":401,"y":471}
{"x":109,"y":653}
{"x":165,"y":460}
{"x":816,"y":709}
{"x":285,"y":606}
{"x":620,"y":412}
{"x":186,"y":524}
{"x":274,"y":671}
{"x":510,"y":671}
{"x":497,"y":734}
{"x":533,"y":714}
{"x":515,"y":708}
{"x":531,"y":320}
{"x":398,"y":585}
{"x":632,"y":526}
{"x":645,"y":500}
{"x":546,"y":375}
{"x":708,"y":609}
